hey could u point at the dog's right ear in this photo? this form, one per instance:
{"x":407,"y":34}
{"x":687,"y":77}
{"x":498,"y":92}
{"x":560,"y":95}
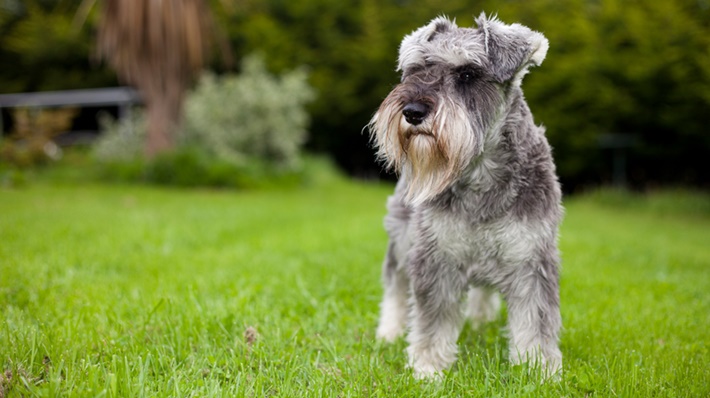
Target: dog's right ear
{"x":412,"y":49}
{"x":511,"y":49}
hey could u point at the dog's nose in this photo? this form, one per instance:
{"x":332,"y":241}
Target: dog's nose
{"x":415,"y":112}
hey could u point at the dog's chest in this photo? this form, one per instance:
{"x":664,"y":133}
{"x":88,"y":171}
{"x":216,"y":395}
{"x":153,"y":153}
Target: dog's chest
{"x":501,"y":242}
{"x":460,"y":240}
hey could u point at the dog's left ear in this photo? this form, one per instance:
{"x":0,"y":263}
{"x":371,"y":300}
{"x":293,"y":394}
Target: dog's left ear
{"x":511,"y":49}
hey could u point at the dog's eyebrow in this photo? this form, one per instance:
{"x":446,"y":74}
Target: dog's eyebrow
{"x":473,"y":68}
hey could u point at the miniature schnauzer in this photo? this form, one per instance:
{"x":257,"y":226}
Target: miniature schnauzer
{"x":477,"y":206}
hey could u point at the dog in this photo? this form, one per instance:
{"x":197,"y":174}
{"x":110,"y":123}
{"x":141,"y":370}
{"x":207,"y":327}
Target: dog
{"x":476,"y":210}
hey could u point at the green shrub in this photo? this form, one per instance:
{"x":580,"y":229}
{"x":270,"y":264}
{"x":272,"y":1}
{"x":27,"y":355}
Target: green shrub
{"x":121,"y":141}
{"x":238,"y":131}
{"x":192,"y":168}
{"x":11,"y":177}
{"x":30,"y":143}
{"x":188,"y":167}
{"x":252,"y":115}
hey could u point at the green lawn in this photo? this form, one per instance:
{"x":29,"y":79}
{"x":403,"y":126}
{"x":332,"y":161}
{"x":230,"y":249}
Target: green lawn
{"x":126,"y":290}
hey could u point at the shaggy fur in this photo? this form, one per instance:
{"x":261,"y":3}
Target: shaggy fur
{"x":477,"y":206}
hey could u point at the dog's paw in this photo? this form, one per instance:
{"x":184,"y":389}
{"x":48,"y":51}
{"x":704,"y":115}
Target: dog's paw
{"x":429,"y":363}
{"x":552,"y":370}
{"x":425,"y":372}
{"x":549,"y":366}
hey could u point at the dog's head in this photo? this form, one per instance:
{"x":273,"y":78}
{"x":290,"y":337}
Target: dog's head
{"x":454,"y":87}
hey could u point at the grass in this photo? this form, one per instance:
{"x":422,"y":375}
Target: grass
{"x":126,"y":290}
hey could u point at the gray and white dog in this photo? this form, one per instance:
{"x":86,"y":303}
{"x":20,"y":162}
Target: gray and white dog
{"x":477,"y":206}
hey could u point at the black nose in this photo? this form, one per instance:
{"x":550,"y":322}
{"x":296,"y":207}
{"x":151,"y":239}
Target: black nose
{"x":415,"y":112}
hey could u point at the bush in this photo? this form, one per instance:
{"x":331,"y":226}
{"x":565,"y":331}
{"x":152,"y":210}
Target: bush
{"x":30,"y":142}
{"x":189,"y":167}
{"x":11,"y":177}
{"x":121,"y":141}
{"x":251,"y":116}
{"x":238,"y":131}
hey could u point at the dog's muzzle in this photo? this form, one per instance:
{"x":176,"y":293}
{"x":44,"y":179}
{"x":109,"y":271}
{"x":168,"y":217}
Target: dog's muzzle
{"x":415,"y":112}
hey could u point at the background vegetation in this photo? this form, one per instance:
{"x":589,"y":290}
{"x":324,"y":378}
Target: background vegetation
{"x":256,"y":141}
{"x":636,"y":68}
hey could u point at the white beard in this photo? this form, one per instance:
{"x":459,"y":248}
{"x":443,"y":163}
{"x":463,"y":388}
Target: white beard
{"x":429,"y":156}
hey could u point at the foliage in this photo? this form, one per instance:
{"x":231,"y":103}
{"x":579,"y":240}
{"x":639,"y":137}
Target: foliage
{"x":30,"y":142}
{"x":42,"y":50}
{"x":160,"y":47}
{"x":614,"y":66}
{"x":186,"y":167}
{"x":11,"y":177}
{"x":635,"y":67}
{"x":126,"y":290}
{"x":248,"y":117}
{"x":238,"y":131}
{"x":120,"y":140}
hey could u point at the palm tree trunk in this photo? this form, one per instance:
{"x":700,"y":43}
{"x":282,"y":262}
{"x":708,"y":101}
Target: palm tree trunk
{"x":161,"y":122}
{"x":158,"y":46}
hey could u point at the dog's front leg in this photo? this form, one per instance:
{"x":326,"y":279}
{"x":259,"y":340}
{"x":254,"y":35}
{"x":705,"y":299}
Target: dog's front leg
{"x":534,"y":317}
{"x":436,"y":317}
{"x":393,"y":309}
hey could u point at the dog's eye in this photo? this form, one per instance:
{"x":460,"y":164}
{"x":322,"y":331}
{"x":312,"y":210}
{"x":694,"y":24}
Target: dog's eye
{"x":467,"y":75}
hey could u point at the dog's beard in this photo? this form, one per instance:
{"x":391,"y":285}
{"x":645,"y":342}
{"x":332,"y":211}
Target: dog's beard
{"x":430,"y":156}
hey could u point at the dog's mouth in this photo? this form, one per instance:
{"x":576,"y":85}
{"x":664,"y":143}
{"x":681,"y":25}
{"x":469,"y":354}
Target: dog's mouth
{"x":410,"y":133}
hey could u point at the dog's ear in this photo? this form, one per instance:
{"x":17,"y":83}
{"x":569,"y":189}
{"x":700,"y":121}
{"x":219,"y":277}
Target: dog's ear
{"x":411,"y":51}
{"x":511,"y":49}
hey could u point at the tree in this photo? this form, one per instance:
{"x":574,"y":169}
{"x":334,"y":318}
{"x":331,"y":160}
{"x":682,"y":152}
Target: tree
{"x":42,"y":50}
{"x":633,"y":67}
{"x":160,"y":47}
{"x":629,"y":67}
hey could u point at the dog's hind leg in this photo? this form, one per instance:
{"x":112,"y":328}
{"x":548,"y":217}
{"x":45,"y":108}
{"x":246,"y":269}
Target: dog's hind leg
{"x":393,"y":309}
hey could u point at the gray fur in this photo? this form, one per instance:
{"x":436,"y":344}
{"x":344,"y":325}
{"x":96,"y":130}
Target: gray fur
{"x":477,"y":205}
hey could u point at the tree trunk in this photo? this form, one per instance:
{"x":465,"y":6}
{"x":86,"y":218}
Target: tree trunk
{"x":164,"y":112}
{"x":159,"y":127}
{"x":159,"y":47}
